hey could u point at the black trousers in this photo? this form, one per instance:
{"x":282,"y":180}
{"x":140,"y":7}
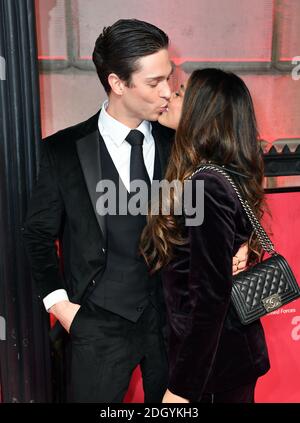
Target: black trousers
{"x":242,"y":394}
{"x":106,"y":348}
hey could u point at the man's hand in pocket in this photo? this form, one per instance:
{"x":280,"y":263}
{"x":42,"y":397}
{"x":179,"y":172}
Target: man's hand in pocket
{"x":65,"y":312}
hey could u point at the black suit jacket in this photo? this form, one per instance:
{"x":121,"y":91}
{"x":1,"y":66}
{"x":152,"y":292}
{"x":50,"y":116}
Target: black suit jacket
{"x":63,"y":206}
{"x":209,"y":349}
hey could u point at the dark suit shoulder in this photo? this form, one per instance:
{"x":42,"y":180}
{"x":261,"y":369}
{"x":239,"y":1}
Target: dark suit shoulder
{"x":163,"y":131}
{"x":73,"y":133}
{"x":165,"y":136}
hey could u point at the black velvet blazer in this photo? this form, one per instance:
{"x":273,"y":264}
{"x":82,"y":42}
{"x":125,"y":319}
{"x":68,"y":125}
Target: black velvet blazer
{"x":209,"y":349}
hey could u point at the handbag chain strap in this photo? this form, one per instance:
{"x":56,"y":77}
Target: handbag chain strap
{"x":262,"y":236}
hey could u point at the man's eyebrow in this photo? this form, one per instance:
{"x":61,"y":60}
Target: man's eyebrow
{"x":172,"y":71}
{"x":160,"y":78}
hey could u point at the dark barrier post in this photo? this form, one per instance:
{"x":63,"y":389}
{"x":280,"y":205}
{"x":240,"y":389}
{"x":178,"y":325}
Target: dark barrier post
{"x":24,"y":349}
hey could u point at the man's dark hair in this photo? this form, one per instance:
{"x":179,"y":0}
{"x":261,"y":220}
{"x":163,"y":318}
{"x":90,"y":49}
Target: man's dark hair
{"x":118,"y":48}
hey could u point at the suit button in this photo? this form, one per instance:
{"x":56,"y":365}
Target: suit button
{"x":103,"y":250}
{"x":139,"y":309}
{"x":93,"y":283}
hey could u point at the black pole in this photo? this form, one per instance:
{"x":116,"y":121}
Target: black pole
{"x":24,"y":349}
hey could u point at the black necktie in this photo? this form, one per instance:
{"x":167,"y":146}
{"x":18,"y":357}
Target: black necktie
{"x":137,"y":165}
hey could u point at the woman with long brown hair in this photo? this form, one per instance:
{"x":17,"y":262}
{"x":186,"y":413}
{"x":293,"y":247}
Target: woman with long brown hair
{"x":212,"y":356}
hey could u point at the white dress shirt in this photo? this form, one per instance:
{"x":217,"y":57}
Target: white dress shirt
{"x":114,"y":133}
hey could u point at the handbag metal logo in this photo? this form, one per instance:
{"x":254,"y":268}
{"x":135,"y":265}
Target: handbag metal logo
{"x":272,"y":302}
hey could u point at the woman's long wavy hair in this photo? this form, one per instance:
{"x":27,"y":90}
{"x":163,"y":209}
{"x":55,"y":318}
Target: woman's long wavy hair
{"x":217,"y":124}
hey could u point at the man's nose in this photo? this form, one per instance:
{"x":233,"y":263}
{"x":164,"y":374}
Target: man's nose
{"x":166,"y":91}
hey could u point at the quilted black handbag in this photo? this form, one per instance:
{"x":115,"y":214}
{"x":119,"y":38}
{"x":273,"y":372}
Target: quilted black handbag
{"x":267,"y":285}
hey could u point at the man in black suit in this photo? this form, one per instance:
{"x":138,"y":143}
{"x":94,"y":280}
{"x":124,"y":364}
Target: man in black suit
{"x":104,"y":296}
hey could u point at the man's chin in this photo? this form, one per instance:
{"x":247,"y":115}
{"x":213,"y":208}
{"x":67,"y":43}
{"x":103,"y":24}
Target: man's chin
{"x":162,"y":120}
{"x":154,"y":117}
{"x":158,"y":117}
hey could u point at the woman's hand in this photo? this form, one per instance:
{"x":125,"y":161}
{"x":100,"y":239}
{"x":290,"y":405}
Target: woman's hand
{"x":169,"y":397}
{"x":240,"y":259}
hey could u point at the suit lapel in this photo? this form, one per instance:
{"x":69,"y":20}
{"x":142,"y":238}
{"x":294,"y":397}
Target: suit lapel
{"x":88,"y":149}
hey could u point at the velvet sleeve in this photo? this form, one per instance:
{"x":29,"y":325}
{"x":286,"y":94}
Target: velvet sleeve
{"x":42,"y":226}
{"x":210,"y":281}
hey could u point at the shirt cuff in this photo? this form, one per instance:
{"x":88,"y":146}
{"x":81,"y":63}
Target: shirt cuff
{"x":55,"y":297}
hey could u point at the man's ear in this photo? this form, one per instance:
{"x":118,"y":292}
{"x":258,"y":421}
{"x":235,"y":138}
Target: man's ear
{"x":116,"y":84}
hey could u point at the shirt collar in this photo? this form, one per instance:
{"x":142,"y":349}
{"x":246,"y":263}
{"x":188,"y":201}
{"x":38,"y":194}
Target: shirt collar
{"x":117,"y":131}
